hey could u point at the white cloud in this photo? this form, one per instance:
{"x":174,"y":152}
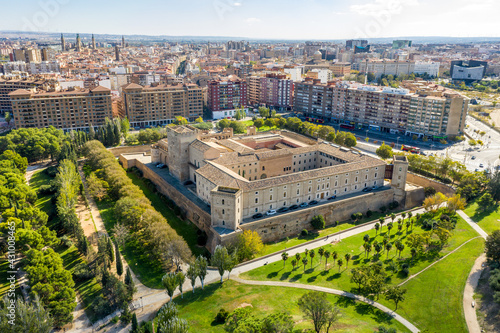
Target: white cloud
{"x":237,"y":4}
{"x":252,"y":20}
{"x":378,"y":7}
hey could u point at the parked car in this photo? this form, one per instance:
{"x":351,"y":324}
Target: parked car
{"x":304,"y":204}
{"x":283,"y":209}
{"x":367,"y":189}
{"x":257,"y":216}
{"x":473,"y":157}
{"x":333,"y":197}
{"x":314,"y":202}
{"x":270,"y":212}
{"x":481,"y":165}
{"x":159,"y":166}
{"x":374,"y":187}
{"x":292,"y":207}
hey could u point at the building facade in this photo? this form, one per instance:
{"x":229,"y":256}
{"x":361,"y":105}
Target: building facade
{"x":273,"y":90}
{"x":160,"y":104}
{"x":70,"y":109}
{"x":226,"y":95}
{"x":8,"y":85}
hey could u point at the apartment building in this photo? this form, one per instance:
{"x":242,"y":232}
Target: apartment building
{"x":75,"y":109}
{"x":226,"y":95}
{"x":274,"y":90}
{"x":417,"y":108}
{"x":160,"y":104}
{"x":340,"y":69}
{"x":397,"y":67}
{"x":33,"y":68}
{"x":8,"y":85}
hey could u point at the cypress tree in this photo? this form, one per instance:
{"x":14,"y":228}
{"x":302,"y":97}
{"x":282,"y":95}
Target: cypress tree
{"x":91,"y":132}
{"x":119,"y":264}
{"x":109,"y":250}
{"x":135,"y":325}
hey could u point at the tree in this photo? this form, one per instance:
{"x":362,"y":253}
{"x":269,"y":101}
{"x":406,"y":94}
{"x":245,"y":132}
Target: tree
{"x":168,"y":322}
{"x":179,"y":120}
{"x":264,"y":112}
{"x":318,"y":222}
{"x":294,"y":263}
{"x":223,"y":123}
{"x":258,"y":123}
{"x":199,"y":120}
{"x":327,"y":255}
{"x":395,"y":294}
{"x":384,"y":151}
{"x":26,"y":317}
{"x":350,"y":140}
{"x":304,"y":262}
{"x":485,"y":201}
{"x":232,"y":262}
{"x":390,"y":225}
{"x":8,"y":117}
{"x":180,"y":281}
{"x":249,"y":244}
{"x":170,"y":282}
{"x":317,"y":308}
{"x":400,"y":247}
{"x":381,"y":220}
{"x":494,"y":185}
{"x":119,"y":264}
{"x":335,"y":255}
{"x":192,"y":274}
{"x":377,"y":227}
{"x":340,"y":262}
{"x":98,"y":188}
{"x":284,"y":256}
{"x":347,"y":259}
{"x":278,"y":322}
{"x":388,"y":247}
{"x":220,"y":259}
{"x":312,"y":254}
{"x":321,"y":252}
{"x":129,"y":281}
{"x":366,"y":238}
{"x":492,"y":246}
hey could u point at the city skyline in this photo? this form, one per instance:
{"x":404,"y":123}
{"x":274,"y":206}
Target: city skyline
{"x":261,"y":20}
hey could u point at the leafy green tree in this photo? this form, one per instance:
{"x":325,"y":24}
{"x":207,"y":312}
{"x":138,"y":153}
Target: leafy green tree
{"x":258,"y":123}
{"x":327,"y":255}
{"x":318,"y":222}
{"x":347,"y":259}
{"x":181,"y":278}
{"x":493,"y":246}
{"x":384,"y":151}
{"x":220,"y":259}
{"x":317,"y":308}
{"x":284,"y":256}
{"x":119,"y":263}
{"x":169,"y":322}
{"x":350,"y":140}
{"x":395,"y":294}
{"x":249,"y":244}
{"x":170,"y":281}
{"x":264,"y":112}
{"x":27,"y":317}
{"x":278,"y":322}
{"x":201,"y":265}
{"x":192,"y":274}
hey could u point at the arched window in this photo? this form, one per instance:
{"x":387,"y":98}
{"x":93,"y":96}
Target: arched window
{"x":222,"y":201}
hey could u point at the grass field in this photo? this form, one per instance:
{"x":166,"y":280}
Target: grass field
{"x":261,"y":129}
{"x":185,"y":229}
{"x":287,"y":243}
{"x":434,"y":300}
{"x":199,"y":309}
{"x":488,"y":220}
{"x":148,"y":272}
{"x":333,"y":278}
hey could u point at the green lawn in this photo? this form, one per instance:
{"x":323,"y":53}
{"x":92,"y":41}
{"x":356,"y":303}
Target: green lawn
{"x":199,"y":309}
{"x":289,"y":242}
{"x":434,"y":300}
{"x":148,"y":272}
{"x":488,"y":220}
{"x":185,"y":229}
{"x":261,"y":129}
{"x":333,"y":278}
{"x":87,"y":290}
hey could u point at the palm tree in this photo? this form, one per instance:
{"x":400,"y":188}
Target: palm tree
{"x":347,"y":258}
{"x":388,"y":247}
{"x":366,"y":246}
{"x":321,"y":252}
{"x":312,"y":254}
{"x":378,"y":248}
{"x":412,"y":221}
{"x":400,"y":221}
{"x":400,"y":247}
{"x":284,"y":256}
{"x":340,"y":263}
{"x":413,"y":252}
{"x":400,"y":228}
{"x":369,"y":249}
{"x":306,"y":251}
{"x":297,"y":257}
{"x":407,"y":226}
{"x":327,"y":255}
{"x":385,"y":241}
{"x":382,"y":221}
{"x":377,"y":226}
{"x":403,"y":215}
{"x":366,"y":238}
{"x":389,"y":227}
{"x":334,"y":257}
{"x":304,"y":262}
{"x":293,"y":262}
{"x":410,"y":214}
{"x":393,"y":217}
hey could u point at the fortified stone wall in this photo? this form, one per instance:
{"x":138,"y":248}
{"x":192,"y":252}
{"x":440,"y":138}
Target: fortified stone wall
{"x":427,"y":182}
{"x":117,"y":151}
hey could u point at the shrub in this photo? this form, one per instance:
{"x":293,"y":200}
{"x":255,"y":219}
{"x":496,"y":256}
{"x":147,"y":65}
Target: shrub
{"x":82,"y":272}
{"x":46,"y":189}
{"x":221,"y":316}
{"x":66,"y":241}
{"x":336,"y":223}
{"x":369,"y":213}
{"x":51,"y":171}
{"x":383,"y":209}
{"x":318,"y":222}
{"x":304,"y":232}
{"x":393,"y":205}
{"x":429,"y":191}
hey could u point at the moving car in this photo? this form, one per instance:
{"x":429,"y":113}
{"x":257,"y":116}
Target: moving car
{"x":257,"y":216}
{"x":270,"y":212}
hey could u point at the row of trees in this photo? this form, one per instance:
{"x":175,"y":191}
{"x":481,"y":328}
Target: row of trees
{"x":51,"y":283}
{"x":137,"y":219}
{"x":42,"y":143}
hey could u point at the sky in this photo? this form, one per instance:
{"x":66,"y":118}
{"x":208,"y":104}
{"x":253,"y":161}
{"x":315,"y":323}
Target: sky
{"x":262,"y":19}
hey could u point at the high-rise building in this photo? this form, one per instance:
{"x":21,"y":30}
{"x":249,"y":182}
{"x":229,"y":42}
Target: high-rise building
{"x":117,"y":53}
{"x":78,"y":43}
{"x":123,"y":41}
{"x":351,"y":43}
{"x":226,"y":95}
{"x":274,"y":90}
{"x":9,"y":85}
{"x":401,"y":44}
{"x":70,"y":109}
{"x":93,"y":42}
{"x":419,"y":108}
{"x":160,"y":104}
{"x":63,"y":43}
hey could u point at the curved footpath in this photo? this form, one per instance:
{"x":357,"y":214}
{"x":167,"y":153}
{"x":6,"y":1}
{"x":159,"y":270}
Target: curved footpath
{"x":473,"y":280}
{"x":379,"y":306}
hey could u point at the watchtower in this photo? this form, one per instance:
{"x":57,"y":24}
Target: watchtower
{"x":398,"y":180}
{"x":179,"y":138}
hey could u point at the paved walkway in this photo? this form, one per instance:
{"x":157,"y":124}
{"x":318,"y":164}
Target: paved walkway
{"x":473,"y":280}
{"x":379,"y":306}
